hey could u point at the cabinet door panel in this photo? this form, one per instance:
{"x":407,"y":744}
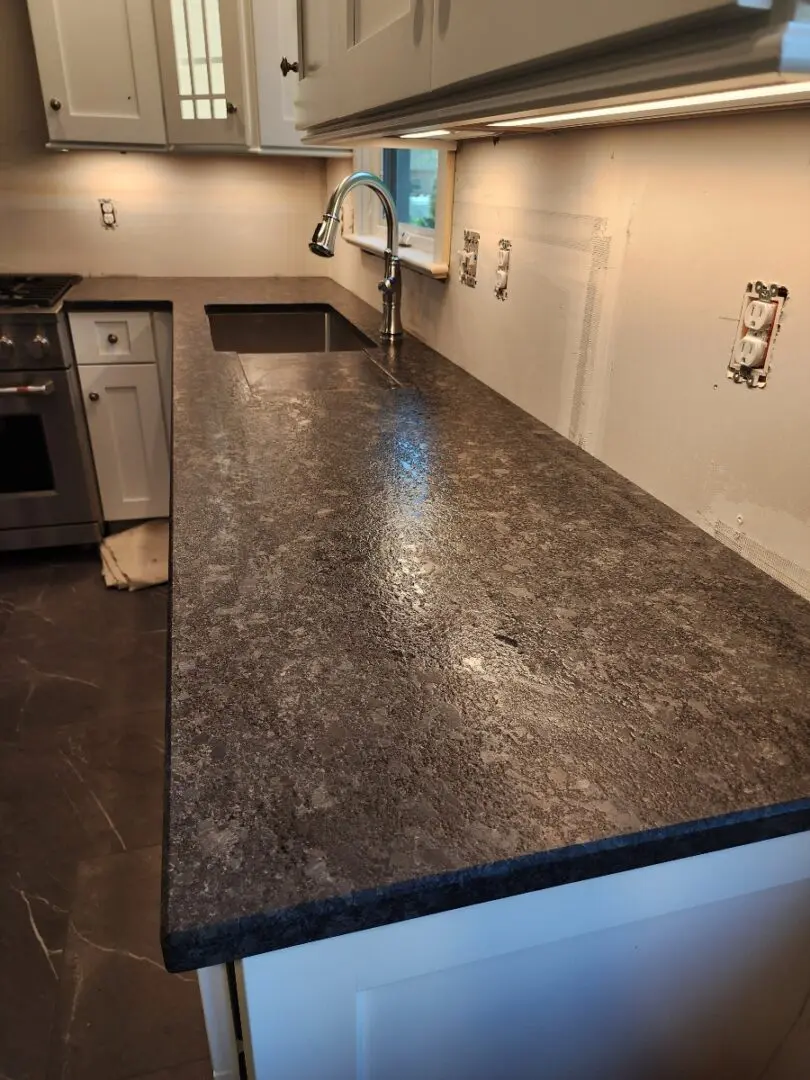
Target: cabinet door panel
{"x":388,"y":53}
{"x":128,"y":436}
{"x":275,"y":31}
{"x":98,"y":63}
{"x":375,"y":53}
{"x":373,"y":16}
{"x":200,"y":45}
{"x":473,"y":37}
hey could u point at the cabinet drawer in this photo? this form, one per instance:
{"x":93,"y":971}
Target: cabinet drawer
{"x":113,"y":337}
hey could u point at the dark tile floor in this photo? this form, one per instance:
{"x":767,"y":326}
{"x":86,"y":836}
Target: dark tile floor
{"x":83,"y":991}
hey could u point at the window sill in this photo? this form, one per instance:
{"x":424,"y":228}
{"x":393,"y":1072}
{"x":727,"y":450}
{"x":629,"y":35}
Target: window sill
{"x":420,"y":261}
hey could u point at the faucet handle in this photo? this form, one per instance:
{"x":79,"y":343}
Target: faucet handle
{"x":387,"y":285}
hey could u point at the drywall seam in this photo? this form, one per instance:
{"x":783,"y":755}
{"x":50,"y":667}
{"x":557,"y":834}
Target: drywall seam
{"x":789,"y":573}
{"x":600,"y":253}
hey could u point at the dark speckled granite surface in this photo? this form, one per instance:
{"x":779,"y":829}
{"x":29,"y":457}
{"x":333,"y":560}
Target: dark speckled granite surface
{"x":426,"y":652}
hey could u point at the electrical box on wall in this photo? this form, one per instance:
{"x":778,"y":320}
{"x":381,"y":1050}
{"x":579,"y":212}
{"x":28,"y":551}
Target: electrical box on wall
{"x":502,"y":272}
{"x":760,"y":318}
{"x":468,"y":258}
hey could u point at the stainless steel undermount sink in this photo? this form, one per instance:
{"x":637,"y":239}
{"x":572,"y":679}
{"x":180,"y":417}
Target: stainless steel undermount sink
{"x":283,"y":328}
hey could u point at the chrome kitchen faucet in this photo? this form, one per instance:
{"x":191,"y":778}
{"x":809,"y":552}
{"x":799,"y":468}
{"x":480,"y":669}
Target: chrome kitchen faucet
{"x":324,"y":237}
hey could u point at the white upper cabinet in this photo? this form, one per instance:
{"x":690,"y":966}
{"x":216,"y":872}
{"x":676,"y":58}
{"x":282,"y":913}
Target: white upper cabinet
{"x":275,"y":33}
{"x":478,"y":37}
{"x":361,"y":54}
{"x":375,"y":69}
{"x":203,"y":63}
{"x":98,"y":68}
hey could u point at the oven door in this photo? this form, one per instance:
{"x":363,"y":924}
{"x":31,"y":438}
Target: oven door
{"x":45,"y":464}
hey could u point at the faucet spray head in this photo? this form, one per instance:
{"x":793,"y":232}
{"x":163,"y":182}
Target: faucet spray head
{"x":324,"y":237}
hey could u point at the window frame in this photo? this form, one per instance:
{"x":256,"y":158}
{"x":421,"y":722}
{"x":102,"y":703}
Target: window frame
{"x":427,"y":250}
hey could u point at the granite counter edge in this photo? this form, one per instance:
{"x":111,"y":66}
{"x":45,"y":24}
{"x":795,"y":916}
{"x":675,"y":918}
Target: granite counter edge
{"x":202,"y":946}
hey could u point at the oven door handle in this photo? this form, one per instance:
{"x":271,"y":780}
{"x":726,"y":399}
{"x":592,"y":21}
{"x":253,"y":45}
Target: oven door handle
{"x":43,"y":388}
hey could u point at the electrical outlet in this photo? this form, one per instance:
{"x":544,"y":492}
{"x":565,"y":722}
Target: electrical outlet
{"x":502,"y":272}
{"x":108,"y":218}
{"x":760,"y":318}
{"x":468,"y":258}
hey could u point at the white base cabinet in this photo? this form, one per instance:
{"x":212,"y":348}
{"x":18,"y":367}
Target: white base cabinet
{"x":689,"y":970}
{"x":128,"y":437}
{"x":124,"y":361}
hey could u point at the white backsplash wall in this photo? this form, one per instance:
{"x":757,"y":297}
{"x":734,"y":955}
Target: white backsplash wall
{"x":632,"y":247}
{"x":177,"y":215}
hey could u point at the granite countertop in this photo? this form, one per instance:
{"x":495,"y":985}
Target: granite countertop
{"x":425,"y":652}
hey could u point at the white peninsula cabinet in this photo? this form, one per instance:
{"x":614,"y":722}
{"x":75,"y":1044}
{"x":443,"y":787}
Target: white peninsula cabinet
{"x":693,"y":969}
{"x":125,"y":379}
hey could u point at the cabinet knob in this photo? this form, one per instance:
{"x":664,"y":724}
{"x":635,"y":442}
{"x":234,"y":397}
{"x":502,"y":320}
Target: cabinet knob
{"x":230,"y":108}
{"x":287,"y":67}
{"x":93,"y":395}
{"x":112,"y":338}
{"x":55,"y":104}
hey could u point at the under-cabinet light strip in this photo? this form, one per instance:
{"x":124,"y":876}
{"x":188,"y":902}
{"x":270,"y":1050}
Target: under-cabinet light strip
{"x":651,"y":108}
{"x":426,"y":134}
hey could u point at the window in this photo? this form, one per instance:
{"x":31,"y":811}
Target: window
{"x":421,"y":181}
{"x":198,"y":56}
{"x":412,"y":176}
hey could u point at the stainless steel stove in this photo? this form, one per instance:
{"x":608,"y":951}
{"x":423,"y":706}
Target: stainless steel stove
{"x":48,"y":493}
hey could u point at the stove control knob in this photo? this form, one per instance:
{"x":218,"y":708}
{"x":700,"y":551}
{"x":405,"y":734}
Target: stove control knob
{"x":39,"y":347}
{"x":6,"y":347}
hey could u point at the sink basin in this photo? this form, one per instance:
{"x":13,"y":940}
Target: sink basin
{"x":283,"y":328}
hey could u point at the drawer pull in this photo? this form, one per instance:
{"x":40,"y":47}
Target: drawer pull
{"x":93,"y":395}
{"x":112,"y":338}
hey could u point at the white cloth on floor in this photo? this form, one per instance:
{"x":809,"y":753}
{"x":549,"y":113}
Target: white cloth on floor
{"x":137,"y":558}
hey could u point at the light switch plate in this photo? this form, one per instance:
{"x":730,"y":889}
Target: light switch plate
{"x":502,"y":272}
{"x":468,"y":258}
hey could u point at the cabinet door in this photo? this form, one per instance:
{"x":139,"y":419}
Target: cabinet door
{"x":202,"y":63}
{"x":128,"y":436}
{"x":99,"y":70}
{"x":275,"y":31}
{"x":361,"y":54}
{"x":474,"y":37}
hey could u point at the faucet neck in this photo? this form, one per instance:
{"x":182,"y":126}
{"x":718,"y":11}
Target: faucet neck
{"x":367,"y":179}
{"x":323,"y":243}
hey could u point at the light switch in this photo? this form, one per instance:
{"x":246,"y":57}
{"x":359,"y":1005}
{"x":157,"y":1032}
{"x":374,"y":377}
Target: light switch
{"x":468,"y":258}
{"x":502,"y":271}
